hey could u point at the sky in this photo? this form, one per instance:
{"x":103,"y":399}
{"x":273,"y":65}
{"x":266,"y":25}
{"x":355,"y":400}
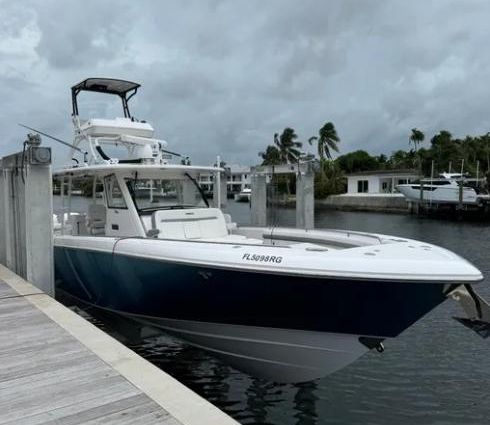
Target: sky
{"x":221,"y":77}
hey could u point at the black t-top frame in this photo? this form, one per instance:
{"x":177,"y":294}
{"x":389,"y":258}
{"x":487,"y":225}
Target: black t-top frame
{"x":124,"y":89}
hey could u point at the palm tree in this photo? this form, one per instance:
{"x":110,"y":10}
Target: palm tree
{"x":287,"y":145}
{"x":271,"y":156}
{"x":327,"y":140}
{"x":417,"y":137}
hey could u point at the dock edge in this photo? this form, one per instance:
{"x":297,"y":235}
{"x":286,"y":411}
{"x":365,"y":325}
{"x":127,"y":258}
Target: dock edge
{"x":182,"y":403}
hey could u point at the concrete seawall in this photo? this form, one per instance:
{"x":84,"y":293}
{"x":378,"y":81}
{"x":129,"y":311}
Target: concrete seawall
{"x":390,"y":203}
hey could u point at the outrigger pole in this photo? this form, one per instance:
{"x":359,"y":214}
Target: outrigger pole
{"x":85,"y":153}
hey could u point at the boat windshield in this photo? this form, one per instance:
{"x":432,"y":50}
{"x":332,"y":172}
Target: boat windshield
{"x":157,"y":194}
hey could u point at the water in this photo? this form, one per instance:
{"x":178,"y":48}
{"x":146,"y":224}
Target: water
{"x":436,"y":372}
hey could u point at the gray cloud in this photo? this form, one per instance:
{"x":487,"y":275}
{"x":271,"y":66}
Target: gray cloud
{"x":221,"y":77}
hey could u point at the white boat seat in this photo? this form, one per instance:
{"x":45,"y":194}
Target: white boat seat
{"x":99,"y":127}
{"x":77,"y":222}
{"x":230,"y":225}
{"x":196,"y":223}
{"x":96,"y":219}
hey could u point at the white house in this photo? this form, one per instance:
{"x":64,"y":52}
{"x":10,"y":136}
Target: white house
{"x":379,"y":182}
{"x":237,"y":179}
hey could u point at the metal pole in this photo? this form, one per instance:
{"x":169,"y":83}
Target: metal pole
{"x":94,"y":190}
{"x":431,"y":179}
{"x":62,"y":193}
{"x":477,"y":171}
{"x":460,"y":202}
{"x":70,"y":184}
{"x":218,"y":182}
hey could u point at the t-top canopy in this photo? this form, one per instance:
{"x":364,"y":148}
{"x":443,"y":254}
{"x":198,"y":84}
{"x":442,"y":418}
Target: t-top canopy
{"x":105,"y":85}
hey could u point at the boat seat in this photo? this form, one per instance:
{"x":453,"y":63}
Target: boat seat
{"x":196,"y":223}
{"x":230,"y":225}
{"x":78,"y":224}
{"x":96,"y":219}
{"x":99,"y":127}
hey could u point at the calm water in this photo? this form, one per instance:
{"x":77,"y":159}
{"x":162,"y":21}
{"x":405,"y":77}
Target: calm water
{"x":436,"y":372}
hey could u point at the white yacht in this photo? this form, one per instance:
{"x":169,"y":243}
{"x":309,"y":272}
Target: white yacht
{"x":244,"y":195}
{"x":446,"y":189}
{"x":284,"y":304}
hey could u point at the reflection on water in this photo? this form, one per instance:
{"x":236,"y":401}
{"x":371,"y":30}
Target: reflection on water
{"x":436,"y":372}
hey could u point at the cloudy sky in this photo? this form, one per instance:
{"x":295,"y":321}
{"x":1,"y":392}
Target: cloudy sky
{"x":220,"y":77}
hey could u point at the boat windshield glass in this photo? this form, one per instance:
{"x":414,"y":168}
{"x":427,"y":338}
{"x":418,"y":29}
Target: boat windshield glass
{"x":156,"y":194}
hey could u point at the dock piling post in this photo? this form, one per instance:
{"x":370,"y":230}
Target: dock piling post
{"x":219,"y":190}
{"x":26,"y":222}
{"x":305,"y":211}
{"x":421,"y":203}
{"x":258,"y":200}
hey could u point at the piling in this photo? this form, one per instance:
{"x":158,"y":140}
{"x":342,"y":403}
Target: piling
{"x":305,"y":202}
{"x":26,"y":219}
{"x":258,"y":200}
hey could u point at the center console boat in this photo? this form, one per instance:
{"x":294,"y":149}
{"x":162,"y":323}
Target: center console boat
{"x":284,"y":304}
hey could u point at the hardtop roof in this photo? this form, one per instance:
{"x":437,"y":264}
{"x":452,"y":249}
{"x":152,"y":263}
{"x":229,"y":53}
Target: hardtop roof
{"x":105,"y":85}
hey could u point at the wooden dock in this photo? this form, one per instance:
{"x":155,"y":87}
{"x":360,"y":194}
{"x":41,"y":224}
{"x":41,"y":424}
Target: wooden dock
{"x":56,"y":368}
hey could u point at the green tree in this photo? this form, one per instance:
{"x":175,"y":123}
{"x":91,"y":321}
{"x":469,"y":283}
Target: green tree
{"x":271,"y":156}
{"x":327,"y":140}
{"x":416,"y":137}
{"x":445,"y":149}
{"x":330,"y":180}
{"x":359,"y":160}
{"x":403,"y":159}
{"x":288,"y":145}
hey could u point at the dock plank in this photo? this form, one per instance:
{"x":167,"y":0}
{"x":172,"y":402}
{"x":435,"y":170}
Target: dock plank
{"x":52,"y":372}
{"x":48,"y":377}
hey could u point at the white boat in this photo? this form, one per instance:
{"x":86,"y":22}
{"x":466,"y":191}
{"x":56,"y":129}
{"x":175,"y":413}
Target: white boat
{"x":244,"y":195}
{"x":289,"y":305}
{"x":446,"y":189}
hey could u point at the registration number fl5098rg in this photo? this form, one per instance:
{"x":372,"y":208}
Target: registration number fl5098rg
{"x":262,"y":258}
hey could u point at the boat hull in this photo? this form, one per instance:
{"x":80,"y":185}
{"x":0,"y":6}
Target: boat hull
{"x":284,"y":328}
{"x":439,"y":194}
{"x":282,"y":355}
{"x":240,"y":197}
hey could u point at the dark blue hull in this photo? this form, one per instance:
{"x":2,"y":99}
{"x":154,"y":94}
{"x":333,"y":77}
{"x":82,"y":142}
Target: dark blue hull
{"x":169,"y":290}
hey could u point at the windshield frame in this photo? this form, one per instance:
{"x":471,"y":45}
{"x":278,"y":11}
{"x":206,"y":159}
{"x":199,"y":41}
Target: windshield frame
{"x":132,"y":181}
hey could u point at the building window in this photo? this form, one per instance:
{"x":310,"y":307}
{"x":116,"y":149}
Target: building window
{"x":384,"y":186}
{"x":362,"y":186}
{"x":402,"y":181}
